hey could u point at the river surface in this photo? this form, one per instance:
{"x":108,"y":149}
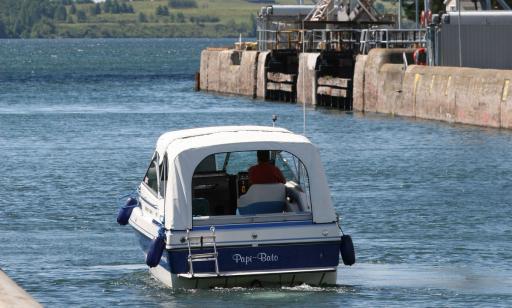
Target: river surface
{"x":429,"y":204}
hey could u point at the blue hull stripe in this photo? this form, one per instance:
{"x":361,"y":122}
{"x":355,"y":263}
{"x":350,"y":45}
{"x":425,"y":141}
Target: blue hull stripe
{"x":249,"y":258}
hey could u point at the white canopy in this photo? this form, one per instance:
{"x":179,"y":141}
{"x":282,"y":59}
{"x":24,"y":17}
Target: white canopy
{"x":185,"y":149}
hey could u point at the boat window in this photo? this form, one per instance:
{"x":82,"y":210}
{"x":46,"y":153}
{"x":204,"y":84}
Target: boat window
{"x":212,"y":163}
{"x":240,"y":161}
{"x":283,"y":161}
{"x":223,"y":186}
{"x":151,"y":178}
{"x":163,"y":176}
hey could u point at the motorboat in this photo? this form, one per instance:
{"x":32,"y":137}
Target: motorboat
{"x":202,"y":222}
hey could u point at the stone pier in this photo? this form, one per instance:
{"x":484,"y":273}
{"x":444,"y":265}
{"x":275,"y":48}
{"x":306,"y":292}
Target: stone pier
{"x":280,"y":75}
{"x":453,"y":94}
{"x":229,"y":71}
{"x":11,"y":295}
{"x":377,"y":82}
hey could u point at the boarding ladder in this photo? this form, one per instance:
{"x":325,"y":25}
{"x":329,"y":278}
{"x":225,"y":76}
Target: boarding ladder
{"x":204,"y":241}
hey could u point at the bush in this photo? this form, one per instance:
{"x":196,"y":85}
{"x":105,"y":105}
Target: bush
{"x":162,"y":11}
{"x":61,"y":14}
{"x":80,"y":16}
{"x":43,"y":28}
{"x":142,"y":17}
{"x":180,"y":17}
{"x":204,"y":18}
{"x":182,"y":4}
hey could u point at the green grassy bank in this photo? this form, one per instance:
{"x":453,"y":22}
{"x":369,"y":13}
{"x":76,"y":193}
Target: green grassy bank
{"x":123,"y":18}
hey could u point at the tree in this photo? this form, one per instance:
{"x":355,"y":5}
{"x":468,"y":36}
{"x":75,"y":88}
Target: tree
{"x":162,"y":11}
{"x":21,"y":16}
{"x":97,"y":9}
{"x":183,"y":4}
{"x":3,"y":33}
{"x":180,"y":17}
{"x":80,"y":16}
{"x":43,"y":28}
{"x":142,"y":17}
{"x":61,"y":13}
{"x":254,"y":25}
{"x":107,"y":5}
{"x":115,"y":8}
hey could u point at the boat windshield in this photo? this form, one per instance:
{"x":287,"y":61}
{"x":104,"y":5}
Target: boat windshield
{"x":249,"y":183}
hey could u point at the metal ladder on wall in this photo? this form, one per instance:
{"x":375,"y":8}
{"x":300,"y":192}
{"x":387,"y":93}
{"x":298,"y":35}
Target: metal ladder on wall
{"x":204,"y":240}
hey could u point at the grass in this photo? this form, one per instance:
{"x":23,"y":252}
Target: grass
{"x":230,"y":13}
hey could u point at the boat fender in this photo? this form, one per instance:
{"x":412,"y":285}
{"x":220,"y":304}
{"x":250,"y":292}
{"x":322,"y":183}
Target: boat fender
{"x":348,"y":254}
{"x":126,"y":211}
{"x":156,"y":249}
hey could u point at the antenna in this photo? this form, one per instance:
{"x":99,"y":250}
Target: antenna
{"x":303,"y":86}
{"x":274,"y":119}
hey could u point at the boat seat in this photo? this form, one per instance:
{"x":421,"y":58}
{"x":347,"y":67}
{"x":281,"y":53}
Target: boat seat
{"x":200,"y":207}
{"x":263,"y":199}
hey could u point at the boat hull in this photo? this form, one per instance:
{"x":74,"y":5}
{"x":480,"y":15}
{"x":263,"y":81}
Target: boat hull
{"x":313,"y":263}
{"x":324,"y":278}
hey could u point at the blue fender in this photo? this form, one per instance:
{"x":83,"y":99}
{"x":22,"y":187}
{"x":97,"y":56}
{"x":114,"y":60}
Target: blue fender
{"x":348,"y":254}
{"x":126,"y":211}
{"x":156,"y":249}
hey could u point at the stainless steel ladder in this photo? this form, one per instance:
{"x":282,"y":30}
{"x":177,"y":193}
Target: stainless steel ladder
{"x":203,"y":257}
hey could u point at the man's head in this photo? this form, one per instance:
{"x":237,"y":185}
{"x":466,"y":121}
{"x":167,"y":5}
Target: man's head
{"x":263,"y":156}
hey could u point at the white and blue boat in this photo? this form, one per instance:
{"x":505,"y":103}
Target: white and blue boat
{"x":201,"y":224}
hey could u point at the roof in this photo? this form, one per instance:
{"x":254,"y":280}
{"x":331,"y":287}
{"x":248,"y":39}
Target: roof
{"x":185,"y":149}
{"x":196,"y":138}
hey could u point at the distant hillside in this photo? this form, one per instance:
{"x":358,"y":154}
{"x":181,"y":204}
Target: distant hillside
{"x":148,"y":18}
{"x":123,"y":18}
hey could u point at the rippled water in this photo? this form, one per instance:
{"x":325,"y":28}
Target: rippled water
{"x":428,"y":204}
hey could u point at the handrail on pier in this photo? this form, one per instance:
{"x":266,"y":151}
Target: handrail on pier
{"x":307,"y":40}
{"x":340,"y":39}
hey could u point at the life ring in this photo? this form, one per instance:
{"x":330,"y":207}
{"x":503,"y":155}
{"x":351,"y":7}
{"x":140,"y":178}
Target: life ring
{"x":420,"y":56}
{"x":348,"y":254}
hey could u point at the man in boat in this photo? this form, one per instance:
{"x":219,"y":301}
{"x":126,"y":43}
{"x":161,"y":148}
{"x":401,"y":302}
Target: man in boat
{"x":265,"y":172}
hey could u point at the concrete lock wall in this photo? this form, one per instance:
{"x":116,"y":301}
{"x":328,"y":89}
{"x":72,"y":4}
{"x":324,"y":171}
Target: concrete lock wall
{"x":261,"y":88}
{"x":306,"y":79}
{"x":453,"y":94}
{"x":376,"y":59}
{"x":227,"y":72}
{"x":358,"y":83}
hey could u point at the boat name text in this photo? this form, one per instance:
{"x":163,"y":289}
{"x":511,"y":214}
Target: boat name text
{"x":261,"y":257}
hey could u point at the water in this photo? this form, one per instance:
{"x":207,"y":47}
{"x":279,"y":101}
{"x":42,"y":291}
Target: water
{"x":428,"y":203}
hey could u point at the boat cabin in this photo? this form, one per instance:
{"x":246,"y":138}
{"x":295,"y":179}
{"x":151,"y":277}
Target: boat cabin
{"x":201,"y":177}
